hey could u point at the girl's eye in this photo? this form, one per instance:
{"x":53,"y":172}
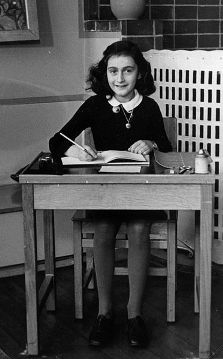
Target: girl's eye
{"x":115,"y":71}
{"x":112,"y":71}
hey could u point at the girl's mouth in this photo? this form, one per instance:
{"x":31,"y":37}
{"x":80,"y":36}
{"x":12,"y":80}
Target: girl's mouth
{"x":120,"y":86}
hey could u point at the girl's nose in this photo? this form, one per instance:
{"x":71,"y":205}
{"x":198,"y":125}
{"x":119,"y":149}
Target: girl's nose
{"x":120,"y":76}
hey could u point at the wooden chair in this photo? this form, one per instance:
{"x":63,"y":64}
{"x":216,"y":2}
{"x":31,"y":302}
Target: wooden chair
{"x":163,"y":236}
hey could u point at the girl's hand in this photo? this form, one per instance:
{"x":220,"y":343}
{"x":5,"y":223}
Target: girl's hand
{"x":77,"y":152}
{"x":143,"y":147}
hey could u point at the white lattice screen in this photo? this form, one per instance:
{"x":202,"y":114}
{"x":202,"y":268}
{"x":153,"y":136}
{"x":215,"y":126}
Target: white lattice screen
{"x":190,"y":87}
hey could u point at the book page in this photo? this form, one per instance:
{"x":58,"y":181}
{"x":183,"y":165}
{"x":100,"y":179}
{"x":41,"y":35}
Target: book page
{"x":73,"y":161}
{"x":106,"y":157}
{"x":112,"y":155}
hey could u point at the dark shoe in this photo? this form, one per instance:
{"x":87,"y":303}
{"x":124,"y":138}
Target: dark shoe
{"x":137,"y":332}
{"x":101,"y":332}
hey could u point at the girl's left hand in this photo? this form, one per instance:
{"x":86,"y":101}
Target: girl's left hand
{"x":143,"y":147}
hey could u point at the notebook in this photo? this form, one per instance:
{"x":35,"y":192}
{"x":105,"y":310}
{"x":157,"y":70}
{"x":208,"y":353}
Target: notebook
{"x":122,"y":168}
{"x":110,"y":157}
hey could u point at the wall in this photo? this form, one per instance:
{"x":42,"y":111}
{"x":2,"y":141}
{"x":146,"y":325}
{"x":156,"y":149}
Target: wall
{"x":38,"y":70}
{"x":42,"y":85}
{"x":187,"y":24}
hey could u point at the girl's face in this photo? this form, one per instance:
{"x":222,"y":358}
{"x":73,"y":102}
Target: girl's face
{"x":122,"y":74}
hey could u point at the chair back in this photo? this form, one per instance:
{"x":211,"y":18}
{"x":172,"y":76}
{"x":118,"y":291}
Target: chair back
{"x":170,"y":124}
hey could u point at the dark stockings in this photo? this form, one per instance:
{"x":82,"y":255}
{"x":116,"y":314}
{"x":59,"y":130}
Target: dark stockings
{"x":138,"y":260}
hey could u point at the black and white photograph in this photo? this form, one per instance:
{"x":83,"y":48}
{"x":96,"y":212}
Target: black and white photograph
{"x":111,"y":179}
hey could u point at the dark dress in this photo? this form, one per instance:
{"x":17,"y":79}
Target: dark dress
{"x":110,"y":133}
{"x":108,"y":128}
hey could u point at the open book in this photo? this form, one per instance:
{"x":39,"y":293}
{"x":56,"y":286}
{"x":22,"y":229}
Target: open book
{"x":110,"y":157}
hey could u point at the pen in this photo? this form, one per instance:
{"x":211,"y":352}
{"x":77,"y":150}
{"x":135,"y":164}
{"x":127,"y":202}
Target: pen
{"x":75,"y":143}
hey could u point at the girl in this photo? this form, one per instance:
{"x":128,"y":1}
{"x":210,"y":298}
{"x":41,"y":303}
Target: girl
{"x":121,"y":117}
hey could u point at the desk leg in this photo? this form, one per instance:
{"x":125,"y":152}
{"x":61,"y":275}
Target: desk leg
{"x":171,"y":269}
{"x":197,"y":263}
{"x":78,"y":270}
{"x":205,"y":270}
{"x":30,"y":258}
{"x":49,"y":246}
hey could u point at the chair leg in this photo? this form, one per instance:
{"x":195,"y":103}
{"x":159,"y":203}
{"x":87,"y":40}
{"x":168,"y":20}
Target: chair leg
{"x":197,"y":264}
{"x":78,"y":268}
{"x":89,"y":274}
{"x":49,"y":247}
{"x":171,"y":270}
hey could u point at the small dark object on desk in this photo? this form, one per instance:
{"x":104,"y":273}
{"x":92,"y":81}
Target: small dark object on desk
{"x":182,"y":170}
{"x":49,"y":164}
{"x":186,"y":169}
{"x":44,"y":163}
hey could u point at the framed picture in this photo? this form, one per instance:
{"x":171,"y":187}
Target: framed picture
{"x":18,"y":20}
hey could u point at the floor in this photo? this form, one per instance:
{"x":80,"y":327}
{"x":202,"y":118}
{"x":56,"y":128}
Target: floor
{"x":62,"y":337}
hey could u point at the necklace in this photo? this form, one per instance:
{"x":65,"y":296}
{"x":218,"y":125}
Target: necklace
{"x":128,"y":124}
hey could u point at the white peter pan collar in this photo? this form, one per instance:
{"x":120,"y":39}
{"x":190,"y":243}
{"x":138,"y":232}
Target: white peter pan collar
{"x":128,"y":106}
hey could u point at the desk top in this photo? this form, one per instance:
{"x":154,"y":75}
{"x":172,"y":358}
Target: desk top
{"x":89,"y":175}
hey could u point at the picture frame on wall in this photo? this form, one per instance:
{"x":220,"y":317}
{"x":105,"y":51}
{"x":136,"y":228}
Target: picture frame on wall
{"x":18,"y":21}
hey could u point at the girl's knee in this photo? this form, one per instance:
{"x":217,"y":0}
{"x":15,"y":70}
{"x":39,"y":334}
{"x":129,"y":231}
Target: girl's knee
{"x":105,"y":234}
{"x":138,"y":234}
{"x":138,"y":228}
{"x":104,"y":242}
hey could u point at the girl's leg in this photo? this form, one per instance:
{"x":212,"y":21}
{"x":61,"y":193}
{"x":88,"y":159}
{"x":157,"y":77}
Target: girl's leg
{"x":104,"y":256}
{"x":138,"y":261}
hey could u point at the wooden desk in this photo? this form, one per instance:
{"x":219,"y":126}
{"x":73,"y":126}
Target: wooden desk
{"x":114,"y":191}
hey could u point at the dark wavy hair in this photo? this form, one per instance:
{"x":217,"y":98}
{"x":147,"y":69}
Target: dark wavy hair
{"x":97,"y":76}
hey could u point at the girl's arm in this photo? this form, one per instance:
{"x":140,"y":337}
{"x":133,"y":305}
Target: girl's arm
{"x":156,"y":134}
{"x":81,"y":120}
{"x":142,"y":146}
